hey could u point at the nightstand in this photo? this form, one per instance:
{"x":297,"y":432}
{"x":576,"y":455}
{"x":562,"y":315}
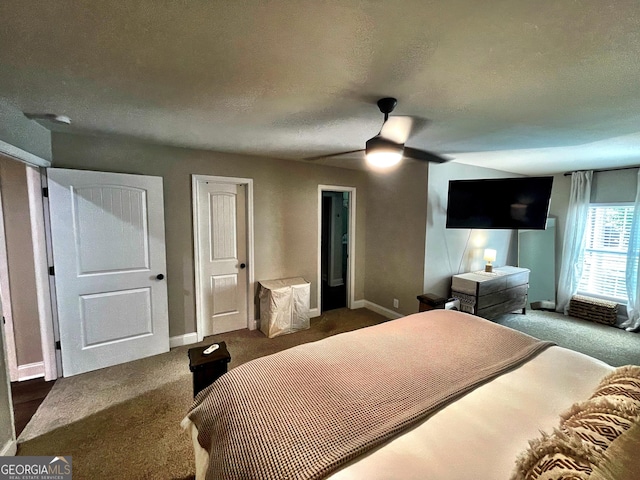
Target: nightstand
{"x":207,"y":369}
{"x":430,"y":301}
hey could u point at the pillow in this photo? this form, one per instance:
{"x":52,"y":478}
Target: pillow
{"x":621,"y":460}
{"x":599,"y":421}
{"x":555,"y":457}
{"x":623,"y":385}
{"x":587,"y":430}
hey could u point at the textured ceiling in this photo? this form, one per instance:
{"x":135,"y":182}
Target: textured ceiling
{"x":527,"y":87}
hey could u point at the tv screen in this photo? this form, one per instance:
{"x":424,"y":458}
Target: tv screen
{"x":499,"y":203}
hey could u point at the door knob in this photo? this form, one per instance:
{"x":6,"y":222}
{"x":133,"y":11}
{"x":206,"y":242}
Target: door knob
{"x":243,"y":265}
{"x":160,"y":276}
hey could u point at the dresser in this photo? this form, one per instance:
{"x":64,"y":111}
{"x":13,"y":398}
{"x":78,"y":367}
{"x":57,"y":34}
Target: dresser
{"x":490,"y":294}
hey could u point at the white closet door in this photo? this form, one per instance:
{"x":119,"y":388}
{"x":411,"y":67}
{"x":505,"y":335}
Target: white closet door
{"x":109,"y":256}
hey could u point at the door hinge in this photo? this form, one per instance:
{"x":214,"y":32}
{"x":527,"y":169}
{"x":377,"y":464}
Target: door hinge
{"x":52,"y":271}
{"x":45,"y":192}
{"x":58,"y":347}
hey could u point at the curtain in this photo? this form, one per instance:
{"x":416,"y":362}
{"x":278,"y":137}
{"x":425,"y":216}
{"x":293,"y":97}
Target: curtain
{"x":633,"y":272}
{"x":574,"y":239}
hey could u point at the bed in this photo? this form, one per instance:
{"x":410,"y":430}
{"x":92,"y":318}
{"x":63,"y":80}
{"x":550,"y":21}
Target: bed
{"x":442,"y":395}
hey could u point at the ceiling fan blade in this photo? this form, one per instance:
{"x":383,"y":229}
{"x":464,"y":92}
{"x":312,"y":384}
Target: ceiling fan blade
{"x":419,"y":123}
{"x":334,"y":154}
{"x":397,"y":129}
{"x":401,"y":128}
{"x":423,"y":155}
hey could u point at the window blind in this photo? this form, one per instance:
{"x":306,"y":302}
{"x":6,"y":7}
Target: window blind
{"x":605,"y":256}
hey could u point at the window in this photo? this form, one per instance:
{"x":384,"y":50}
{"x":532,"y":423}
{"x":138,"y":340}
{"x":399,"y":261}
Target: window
{"x":605,"y":256}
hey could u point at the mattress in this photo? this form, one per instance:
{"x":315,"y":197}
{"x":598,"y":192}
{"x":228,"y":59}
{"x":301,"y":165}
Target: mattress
{"x":480,"y":434}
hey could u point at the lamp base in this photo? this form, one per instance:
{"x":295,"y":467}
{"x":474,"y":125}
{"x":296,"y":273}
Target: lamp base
{"x":488,"y":268}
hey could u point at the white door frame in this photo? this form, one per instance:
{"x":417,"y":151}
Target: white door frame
{"x":351,"y":269}
{"x":48,"y":367}
{"x":252,"y":324}
{"x":8,"y":444}
{"x":5,"y":289}
{"x":15,"y":153}
{"x":41,"y":267}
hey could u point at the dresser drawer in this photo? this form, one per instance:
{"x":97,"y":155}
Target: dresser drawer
{"x":518,"y":292}
{"x":516,"y":279}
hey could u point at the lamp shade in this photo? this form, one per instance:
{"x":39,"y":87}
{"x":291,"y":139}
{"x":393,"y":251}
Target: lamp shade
{"x":489,"y":255}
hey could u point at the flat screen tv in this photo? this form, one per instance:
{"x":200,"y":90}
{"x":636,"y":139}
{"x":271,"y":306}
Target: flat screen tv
{"x":499,"y":203}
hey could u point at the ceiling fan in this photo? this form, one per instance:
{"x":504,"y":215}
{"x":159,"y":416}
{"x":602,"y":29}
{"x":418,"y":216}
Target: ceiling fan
{"x":387,"y":148}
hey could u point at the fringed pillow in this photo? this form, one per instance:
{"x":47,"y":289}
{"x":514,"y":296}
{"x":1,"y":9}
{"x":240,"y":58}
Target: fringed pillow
{"x":586,"y":431}
{"x":621,"y":460}
{"x":622,"y":385}
{"x":599,"y":421}
{"x":555,"y":457}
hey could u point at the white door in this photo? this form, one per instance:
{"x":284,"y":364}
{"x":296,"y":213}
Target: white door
{"x":107,"y":231}
{"x":221,"y":255}
{"x":7,"y":432}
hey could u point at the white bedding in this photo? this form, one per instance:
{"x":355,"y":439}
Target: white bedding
{"x":480,"y":435}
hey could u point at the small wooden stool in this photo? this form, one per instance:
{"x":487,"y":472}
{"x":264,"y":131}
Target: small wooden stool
{"x":207,"y":369}
{"x":430,"y":301}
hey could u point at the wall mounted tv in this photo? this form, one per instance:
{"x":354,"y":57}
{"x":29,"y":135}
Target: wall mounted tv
{"x":499,"y":203}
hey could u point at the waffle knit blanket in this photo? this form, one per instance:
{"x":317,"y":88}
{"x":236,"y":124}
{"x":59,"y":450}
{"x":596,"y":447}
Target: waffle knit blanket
{"x":304,"y":412}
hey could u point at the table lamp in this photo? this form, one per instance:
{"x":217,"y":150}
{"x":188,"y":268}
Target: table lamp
{"x":489,"y":256}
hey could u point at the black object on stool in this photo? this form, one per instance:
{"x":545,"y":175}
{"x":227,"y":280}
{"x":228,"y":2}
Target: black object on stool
{"x":207,"y":369}
{"x":431,"y":301}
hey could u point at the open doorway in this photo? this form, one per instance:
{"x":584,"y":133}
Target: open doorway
{"x":24,"y":282}
{"x":336,"y":237}
{"x":24,"y":285}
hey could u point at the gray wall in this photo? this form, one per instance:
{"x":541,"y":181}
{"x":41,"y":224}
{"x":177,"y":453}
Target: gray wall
{"x":452,"y":251}
{"x":401,"y":252}
{"x":396,"y":230}
{"x":19,"y":131}
{"x":22,"y":279}
{"x":285,"y":208}
{"x":615,"y":186}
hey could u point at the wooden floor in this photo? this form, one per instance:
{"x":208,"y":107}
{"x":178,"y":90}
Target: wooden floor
{"x":27,"y":397}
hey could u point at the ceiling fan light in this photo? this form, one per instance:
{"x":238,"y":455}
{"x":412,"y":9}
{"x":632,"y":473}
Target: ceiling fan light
{"x":384,"y":158}
{"x":383,"y":153}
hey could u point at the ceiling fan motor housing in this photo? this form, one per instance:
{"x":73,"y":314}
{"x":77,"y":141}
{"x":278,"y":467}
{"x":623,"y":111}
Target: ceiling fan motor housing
{"x":386,"y":105}
{"x":380,"y":144}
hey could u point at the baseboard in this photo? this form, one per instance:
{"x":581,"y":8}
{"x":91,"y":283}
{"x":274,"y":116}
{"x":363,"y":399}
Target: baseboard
{"x":190,"y":338}
{"x":186,"y":339}
{"x":374,"y":307}
{"x":30,"y":370}
{"x":10,"y":449}
{"x":358,"y":304}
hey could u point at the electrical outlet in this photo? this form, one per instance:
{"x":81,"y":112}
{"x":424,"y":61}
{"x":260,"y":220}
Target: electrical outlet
{"x":396,"y":303}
